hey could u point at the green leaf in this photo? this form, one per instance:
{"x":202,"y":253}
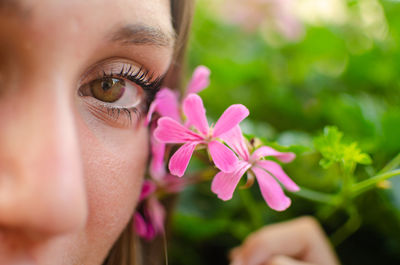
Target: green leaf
{"x":365,"y":159}
{"x":334,"y":150}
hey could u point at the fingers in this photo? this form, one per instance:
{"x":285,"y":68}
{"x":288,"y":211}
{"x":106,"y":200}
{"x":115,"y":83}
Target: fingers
{"x":283,"y":260}
{"x":302,"y":239}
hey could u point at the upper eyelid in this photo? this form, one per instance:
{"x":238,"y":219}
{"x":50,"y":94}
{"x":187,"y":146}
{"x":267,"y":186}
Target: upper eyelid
{"x":139,"y":76}
{"x":108,"y":66}
{"x":123,"y":68}
{"x":142,"y":76}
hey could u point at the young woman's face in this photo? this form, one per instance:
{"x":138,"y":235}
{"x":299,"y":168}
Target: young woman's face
{"x":74,"y":81}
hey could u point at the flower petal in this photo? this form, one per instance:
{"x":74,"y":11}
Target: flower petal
{"x":271,"y":190}
{"x":148,"y":188}
{"x":150,"y":112}
{"x":166,"y":104}
{"x":231,"y":117}
{"x":196,"y":113}
{"x":223,"y":157}
{"x":139,"y":225}
{"x":200,"y":79}
{"x":157,"y":167}
{"x":151,"y":232}
{"x":156,"y":213}
{"x":224,"y":184}
{"x":172,"y":184}
{"x":276,"y":170}
{"x":269,"y":151}
{"x":235,"y":140}
{"x":170,"y":131}
{"x":180,"y":160}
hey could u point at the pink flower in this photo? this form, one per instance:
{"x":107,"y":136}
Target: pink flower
{"x":265,"y":171}
{"x":151,"y":222}
{"x":167,"y":104}
{"x":171,"y":131}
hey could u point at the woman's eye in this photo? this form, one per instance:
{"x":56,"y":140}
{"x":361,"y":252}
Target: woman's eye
{"x":114,"y":99}
{"x":113,"y":92}
{"x":118,"y":91}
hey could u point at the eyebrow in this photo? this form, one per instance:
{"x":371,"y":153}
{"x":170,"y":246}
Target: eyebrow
{"x":141,"y":34}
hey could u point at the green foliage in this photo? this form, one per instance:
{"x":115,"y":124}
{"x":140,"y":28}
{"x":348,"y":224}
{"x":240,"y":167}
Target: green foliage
{"x":334,"y":150}
{"x":342,"y":73}
{"x":198,"y":229}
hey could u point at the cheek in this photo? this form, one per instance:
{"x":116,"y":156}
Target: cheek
{"x":114,"y":164}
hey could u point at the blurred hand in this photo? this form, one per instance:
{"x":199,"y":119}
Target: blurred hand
{"x":297,"y":242}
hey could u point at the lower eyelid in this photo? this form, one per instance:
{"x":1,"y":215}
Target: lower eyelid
{"x":115,"y":117}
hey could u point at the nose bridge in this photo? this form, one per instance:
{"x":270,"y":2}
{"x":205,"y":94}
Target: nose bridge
{"x":41,"y":181}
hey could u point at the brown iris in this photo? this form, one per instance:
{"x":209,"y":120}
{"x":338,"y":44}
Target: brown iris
{"x":107,"y":89}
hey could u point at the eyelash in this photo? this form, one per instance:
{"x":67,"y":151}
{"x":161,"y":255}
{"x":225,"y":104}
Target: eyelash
{"x":141,"y":78}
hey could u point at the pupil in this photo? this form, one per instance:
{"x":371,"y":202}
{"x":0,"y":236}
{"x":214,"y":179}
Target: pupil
{"x":106,"y":85}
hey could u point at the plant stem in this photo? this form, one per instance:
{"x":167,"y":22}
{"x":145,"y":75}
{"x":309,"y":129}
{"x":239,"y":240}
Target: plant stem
{"x":317,"y":196}
{"x":251,"y":206}
{"x":348,"y":180}
{"x":368,"y":184}
{"x":391,"y":165}
{"x":349,"y":228}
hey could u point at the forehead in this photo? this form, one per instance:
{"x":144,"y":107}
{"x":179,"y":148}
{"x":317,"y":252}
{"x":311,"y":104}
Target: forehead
{"x":79,"y":14}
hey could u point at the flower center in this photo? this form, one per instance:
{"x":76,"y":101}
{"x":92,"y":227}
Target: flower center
{"x":209,"y":137}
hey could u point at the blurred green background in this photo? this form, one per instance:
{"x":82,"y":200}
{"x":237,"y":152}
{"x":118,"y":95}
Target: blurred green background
{"x":299,"y":65}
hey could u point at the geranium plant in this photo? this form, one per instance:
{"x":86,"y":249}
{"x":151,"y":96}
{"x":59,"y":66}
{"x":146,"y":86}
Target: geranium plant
{"x":180,"y":121}
{"x":180,"y":130}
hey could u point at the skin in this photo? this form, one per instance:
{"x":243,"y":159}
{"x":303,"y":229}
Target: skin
{"x":70,"y":176}
{"x":297,"y":242}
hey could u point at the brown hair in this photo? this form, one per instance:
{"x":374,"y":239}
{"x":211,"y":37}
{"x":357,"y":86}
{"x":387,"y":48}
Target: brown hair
{"x":127,"y":250}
